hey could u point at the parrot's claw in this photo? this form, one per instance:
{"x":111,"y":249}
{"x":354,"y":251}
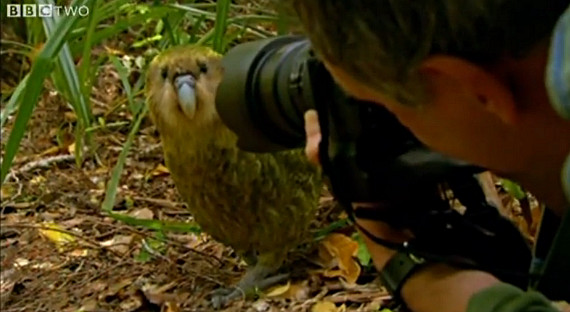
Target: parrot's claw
{"x":222,"y":296}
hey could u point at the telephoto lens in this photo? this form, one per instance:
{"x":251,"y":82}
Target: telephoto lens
{"x":265,"y":92}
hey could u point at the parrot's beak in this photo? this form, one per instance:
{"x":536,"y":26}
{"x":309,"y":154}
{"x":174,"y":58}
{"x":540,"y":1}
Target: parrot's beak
{"x":186,"y":90}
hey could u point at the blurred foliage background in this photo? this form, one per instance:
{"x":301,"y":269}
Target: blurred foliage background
{"x":67,"y":54}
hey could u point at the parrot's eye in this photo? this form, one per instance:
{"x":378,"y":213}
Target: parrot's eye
{"x":202,"y":66}
{"x":164,"y":73}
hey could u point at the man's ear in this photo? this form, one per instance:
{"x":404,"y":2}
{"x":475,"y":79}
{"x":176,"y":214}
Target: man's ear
{"x":488,"y":90}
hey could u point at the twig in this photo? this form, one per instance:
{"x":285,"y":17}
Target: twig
{"x":158,"y":202}
{"x":42,"y":163}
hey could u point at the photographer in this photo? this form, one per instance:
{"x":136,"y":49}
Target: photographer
{"x":483,"y":81}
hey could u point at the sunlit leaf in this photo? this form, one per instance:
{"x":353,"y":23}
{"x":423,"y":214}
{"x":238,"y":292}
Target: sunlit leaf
{"x":53,"y":232}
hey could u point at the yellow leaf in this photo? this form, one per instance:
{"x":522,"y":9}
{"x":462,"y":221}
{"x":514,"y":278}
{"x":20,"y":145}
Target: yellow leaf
{"x":339,"y":252}
{"x":7,"y":191}
{"x":71,"y":148}
{"x":279,"y":290}
{"x":160,"y":170}
{"x":325,"y":306}
{"x":37,"y":179}
{"x":52,"y":233}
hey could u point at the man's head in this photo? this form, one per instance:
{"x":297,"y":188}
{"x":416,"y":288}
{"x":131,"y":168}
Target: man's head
{"x":382,"y":43}
{"x":466,"y":76}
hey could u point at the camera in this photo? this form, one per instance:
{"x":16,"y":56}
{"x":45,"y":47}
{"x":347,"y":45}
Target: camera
{"x":365,"y":152}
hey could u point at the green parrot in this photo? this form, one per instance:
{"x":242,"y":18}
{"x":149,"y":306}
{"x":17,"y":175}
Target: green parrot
{"x":260,"y":205}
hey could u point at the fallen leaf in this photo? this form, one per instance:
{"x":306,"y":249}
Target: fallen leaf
{"x":51,"y":150}
{"x":114,"y":288}
{"x":71,"y":148}
{"x":296,"y":291}
{"x":337,"y":252}
{"x":327,"y":306}
{"x":143,"y":213}
{"x":52,"y":232}
{"x":278,"y":290}
{"x":119,"y":243}
{"x":7,"y":191}
{"x":160,"y":170}
{"x":70,"y":116}
{"x":37,"y":179}
{"x":21,"y":262}
{"x":79,"y":253}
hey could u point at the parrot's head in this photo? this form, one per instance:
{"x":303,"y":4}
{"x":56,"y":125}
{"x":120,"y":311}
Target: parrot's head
{"x":181,"y":86}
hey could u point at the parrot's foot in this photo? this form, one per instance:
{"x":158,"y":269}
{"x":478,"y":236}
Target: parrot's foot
{"x":221,"y":297}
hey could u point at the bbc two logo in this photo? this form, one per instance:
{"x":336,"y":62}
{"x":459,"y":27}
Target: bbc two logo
{"x":45,"y":10}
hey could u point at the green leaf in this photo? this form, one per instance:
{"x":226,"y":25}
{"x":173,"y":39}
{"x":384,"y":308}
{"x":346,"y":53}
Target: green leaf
{"x":123,"y":73}
{"x":112,"y":185}
{"x":513,"y":189}
{"x":14,"y":99}
{"x":363,"y":254}
{"x":222,"y":11}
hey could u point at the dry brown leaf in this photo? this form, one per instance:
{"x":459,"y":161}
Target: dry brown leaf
{"x":337,"y":252}
{"x":119,"y":243}
{"x":114,"y":288}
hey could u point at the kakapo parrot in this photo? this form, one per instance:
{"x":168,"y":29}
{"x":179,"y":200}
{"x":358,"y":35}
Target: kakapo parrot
{"x":261,"y":205}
